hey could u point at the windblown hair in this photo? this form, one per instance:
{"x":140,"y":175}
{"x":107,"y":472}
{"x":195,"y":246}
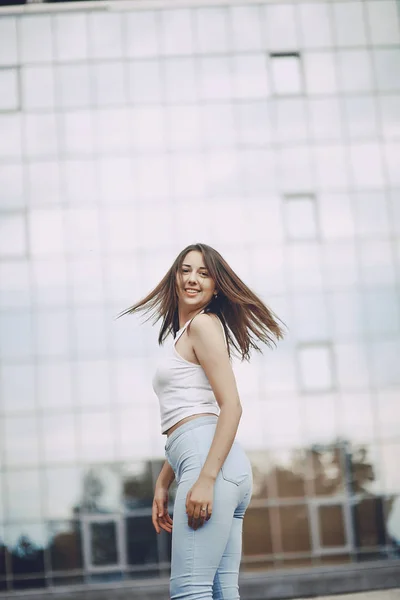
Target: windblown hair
{"x":245,"y":318}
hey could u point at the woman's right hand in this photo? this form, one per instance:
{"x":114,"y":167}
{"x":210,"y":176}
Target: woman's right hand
{"x":160,"y":515}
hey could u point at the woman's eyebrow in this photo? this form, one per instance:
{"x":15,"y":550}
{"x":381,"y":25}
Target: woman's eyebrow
{"x":186,"y":265}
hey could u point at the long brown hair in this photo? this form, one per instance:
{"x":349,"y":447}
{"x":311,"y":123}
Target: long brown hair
{"x":245,"y":318}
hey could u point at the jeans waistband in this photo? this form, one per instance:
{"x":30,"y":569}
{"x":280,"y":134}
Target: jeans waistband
{"x":189,"y":425}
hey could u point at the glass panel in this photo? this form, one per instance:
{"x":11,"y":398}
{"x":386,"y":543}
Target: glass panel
{"x":17,"y":385}
{"x":54,"y":385}
{"x":62,"y":492}
{"x":15,"y":288}
{"x":222,"y":180}
{"x":311,"y":322}
{"x":11,"y":136}
{"x":17,"y":338}
{"x":96,"y":435}
{"x":73,"y":85}
{"x":183,"y":127}
{"x":93,"y":383}
{"x":141,"y":36}
{"x":326,"y":470}
{"x":280,"y":27}
{"x":257,"y":172}
{"x":119,"y":224}
{"x":176,"y":32}
{"x":100,"y":490}
{"x":289,"y":119}
{"x":340,"y":265}
{"x":116,"y":180}
{"x":252,"y":123}
{"x":9,"y":90}
{"x":120,"y":279}
{"x":80,"y":181}
{"x":331,"y":166}
{"x":320,"y":73}
{"x":355,"y":71}
{"x":368,"y":522}
{"x":392,"y":159}
{"x":37,"y":87}
{"x":390,"y":115}
{"x":105,"y":31}
{"x":387,"y":67}
{"x":300,"y":217}
{"x":153,"y":178}
{"x":27,"y":555}
{"x":381,"y":311}
{"x":389,"y":463}
{"x":52,"y":331}
{"x":392,"y":511}
{"x":211,"y":30}
{"x":331,"y":524}
{"x":315,"y":364}
{"x":385,"y":362}
{"x":286,"y":75}
{"x":352,"y":366}
{"x":257,"y":531}
{"x":89,"y":325}
{"x":21,"y":441}
{"x":8,"y":37}
{"x":49,"y":279}
{"x":113,"y":132}
{"x":361,"y":117}
{"x":286,"y":412}
{"x":11,"y":187}
{"x":46,"y":231}
{"x":58,"y":437}
{"x":36,"y":44}
{"x":320,"y":418}
{"x":43,"y":186}
{"x":20,"y":485}
{"x":104,"y":543}
{"x":65,"y":546}
{"x":296,"y":173}
{"x":188,"y":177}
{"x":304,"y":266}
{"x":325,"y":118}
{"x":336,"y":216}
{"x":181,"y":80}
{"x":376,"y":263}
{"x":215,"y":78}
{"x":356,"y":417}
{"x":157,"y":220}
{"x":315,"y":20}
{"x":291,"y":473}
{"x":250,"y":76}
{"x":41,"y":135}
{"x":139,"y":445}
{"x":245,"y":28}
{"x":83,"y":231}
{"x":388,"y":413}
{"x":295,"y":528}
{"x":366,"y":163}
{"x":69,"y":27}
{"x":383,"y":22}
{"x":395,"y":214}
{"x":148,"y":129}
{"x":137,"y":485}
{"x":349,"y":23}
{"x":12,"y":235}
{"x":141,"y":540}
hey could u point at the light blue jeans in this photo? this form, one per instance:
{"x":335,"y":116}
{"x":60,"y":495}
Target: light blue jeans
{"x":205,"y":563}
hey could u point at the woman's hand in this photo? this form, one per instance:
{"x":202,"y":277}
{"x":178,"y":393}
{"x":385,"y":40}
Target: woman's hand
{"x":159,"y":514}
{"x":199,"y":501}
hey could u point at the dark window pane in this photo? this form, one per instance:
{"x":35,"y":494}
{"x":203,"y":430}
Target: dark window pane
{"x":137,"y":485}
{"x":295,"y":528}
{"x":369,"y":523}
{"x":65,"y":546}
{"x":257,"y":534}
{"x":141,"y":540}
{"x":27,"y":562}
{"x":331,"y":525}
{"x":103,"y":543}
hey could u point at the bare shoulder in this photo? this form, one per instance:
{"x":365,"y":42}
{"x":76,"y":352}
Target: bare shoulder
{"x":206,"y":325}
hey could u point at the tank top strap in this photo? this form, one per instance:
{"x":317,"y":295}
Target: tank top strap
{"x":186,"y":325}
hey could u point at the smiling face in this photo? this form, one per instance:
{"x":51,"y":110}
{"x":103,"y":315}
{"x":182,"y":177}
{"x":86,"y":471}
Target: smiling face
{"x":194,"y":285}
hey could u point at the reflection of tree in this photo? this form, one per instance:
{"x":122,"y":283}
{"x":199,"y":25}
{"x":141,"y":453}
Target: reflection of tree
{"x":138,"y":489}
{"x":27,"y":559}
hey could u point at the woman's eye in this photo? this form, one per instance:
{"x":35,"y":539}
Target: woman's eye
{"x":204,"y":274}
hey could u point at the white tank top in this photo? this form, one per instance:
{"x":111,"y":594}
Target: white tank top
{"x":182,"y":387}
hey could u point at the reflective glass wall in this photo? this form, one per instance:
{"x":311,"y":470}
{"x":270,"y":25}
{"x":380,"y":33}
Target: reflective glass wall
{"x":270,"y":131}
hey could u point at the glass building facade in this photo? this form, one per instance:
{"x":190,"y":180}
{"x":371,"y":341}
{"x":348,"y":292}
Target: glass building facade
{"x":270,"y":131}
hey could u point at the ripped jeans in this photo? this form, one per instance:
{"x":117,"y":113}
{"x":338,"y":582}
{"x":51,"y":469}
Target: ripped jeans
{"x":205,"y":563}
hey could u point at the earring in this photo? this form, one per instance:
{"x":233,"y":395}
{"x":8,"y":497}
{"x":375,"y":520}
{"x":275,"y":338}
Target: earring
{"x":216,"y":295}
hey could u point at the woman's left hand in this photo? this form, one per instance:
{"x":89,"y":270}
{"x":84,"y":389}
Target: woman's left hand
{"x":199,"y":501}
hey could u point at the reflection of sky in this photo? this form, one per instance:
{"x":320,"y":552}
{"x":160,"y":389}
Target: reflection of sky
{"x":212,"y":148}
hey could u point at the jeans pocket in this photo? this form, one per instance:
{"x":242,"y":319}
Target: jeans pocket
{"x":236,"y":467}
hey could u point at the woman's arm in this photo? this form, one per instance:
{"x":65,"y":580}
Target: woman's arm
{"x":159,"y":514}
{"x":209,"y":346}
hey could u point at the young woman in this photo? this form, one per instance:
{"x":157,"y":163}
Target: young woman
{"x":209,"y":311}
